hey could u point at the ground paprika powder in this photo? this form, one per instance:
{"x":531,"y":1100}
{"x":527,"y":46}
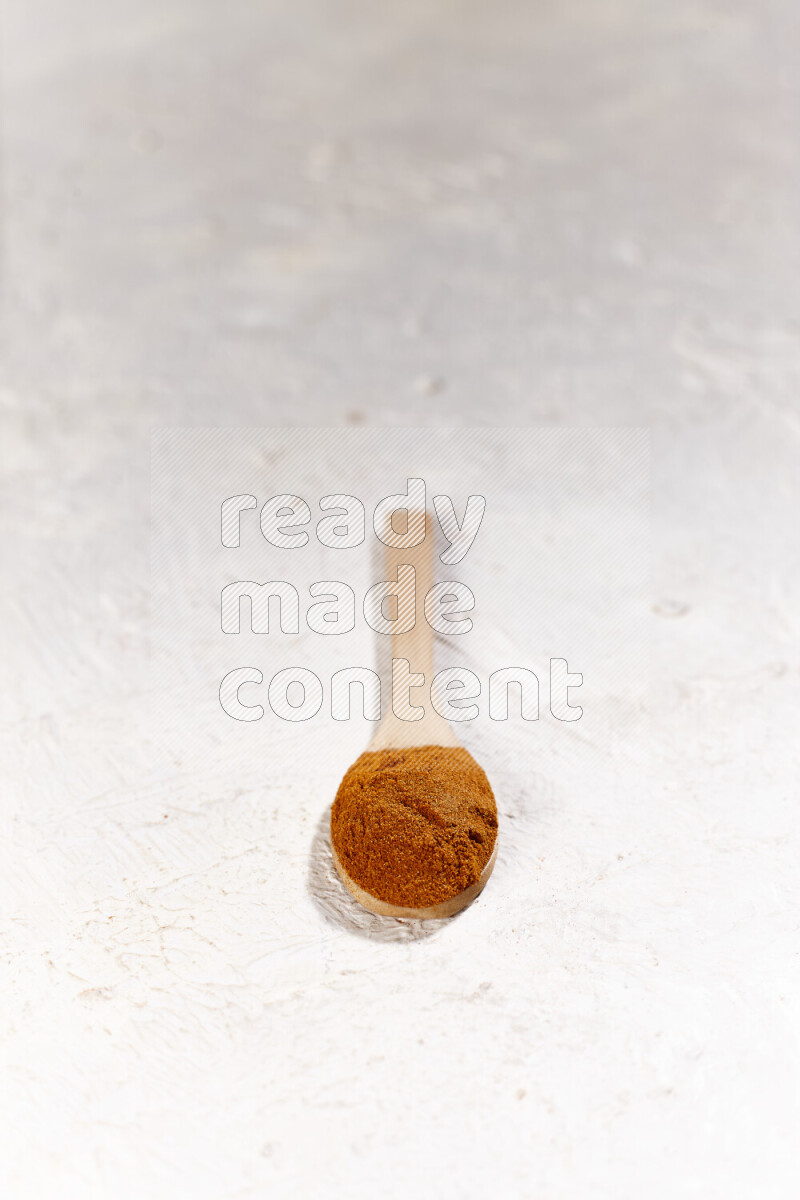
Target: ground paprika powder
{"x":415,"y":826}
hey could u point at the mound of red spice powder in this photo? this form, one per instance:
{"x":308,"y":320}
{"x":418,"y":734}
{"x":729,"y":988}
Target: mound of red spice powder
{"x":414,"y":827}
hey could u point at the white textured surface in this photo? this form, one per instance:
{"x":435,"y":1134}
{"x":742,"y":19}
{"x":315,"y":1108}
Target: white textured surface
{"x":309,"y":213}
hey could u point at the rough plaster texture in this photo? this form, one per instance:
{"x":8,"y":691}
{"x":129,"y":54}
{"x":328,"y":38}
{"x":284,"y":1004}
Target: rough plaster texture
{"x":445,"y":213}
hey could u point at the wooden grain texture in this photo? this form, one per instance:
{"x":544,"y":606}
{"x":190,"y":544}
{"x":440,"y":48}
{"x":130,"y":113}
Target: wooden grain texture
{"x":416,"y":648}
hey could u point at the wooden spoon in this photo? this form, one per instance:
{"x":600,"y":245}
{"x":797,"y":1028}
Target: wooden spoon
{"x":393,"y":733}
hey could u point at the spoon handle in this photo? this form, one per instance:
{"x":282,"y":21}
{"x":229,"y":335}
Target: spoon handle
{"x":401,"y":726}
{"x":417,"y":645}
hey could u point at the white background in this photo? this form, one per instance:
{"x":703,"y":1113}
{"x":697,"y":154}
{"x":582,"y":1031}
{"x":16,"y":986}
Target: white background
{"x":428,"y":213}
